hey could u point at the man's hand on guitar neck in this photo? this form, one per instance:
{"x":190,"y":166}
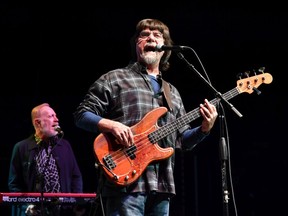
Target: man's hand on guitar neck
{"x":122,"y":133}
{"x":209,"y":114}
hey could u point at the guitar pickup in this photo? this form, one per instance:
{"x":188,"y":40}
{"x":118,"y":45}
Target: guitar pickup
{"x":130,"y":152}
{"x":110,"y":164}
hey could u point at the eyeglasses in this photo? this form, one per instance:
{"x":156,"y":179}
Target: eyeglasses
{"x":146,"y":34}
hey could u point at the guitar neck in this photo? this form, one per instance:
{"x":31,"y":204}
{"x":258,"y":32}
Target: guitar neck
{"x":187,"y":118}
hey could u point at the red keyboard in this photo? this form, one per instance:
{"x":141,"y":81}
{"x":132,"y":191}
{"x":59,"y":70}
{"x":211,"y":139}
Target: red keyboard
{"x":61,"y":198}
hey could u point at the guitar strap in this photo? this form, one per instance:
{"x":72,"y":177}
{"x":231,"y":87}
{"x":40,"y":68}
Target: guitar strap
{"x":167,"y":94}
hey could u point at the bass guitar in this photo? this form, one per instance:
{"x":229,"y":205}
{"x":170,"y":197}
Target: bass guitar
{"x":124,"y":165}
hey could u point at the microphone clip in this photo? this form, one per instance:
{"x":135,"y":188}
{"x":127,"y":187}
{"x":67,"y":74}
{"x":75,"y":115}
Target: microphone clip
{"x":59,"y":130}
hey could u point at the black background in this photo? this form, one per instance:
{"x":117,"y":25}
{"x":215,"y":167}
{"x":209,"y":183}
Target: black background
{"x":54,"y":53}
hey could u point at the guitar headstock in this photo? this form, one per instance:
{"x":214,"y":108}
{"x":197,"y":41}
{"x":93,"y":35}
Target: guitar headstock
{"x":250,"y":84}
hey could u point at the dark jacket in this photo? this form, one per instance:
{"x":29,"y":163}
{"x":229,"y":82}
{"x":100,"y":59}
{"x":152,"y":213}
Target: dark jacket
{"x":22,"y":173}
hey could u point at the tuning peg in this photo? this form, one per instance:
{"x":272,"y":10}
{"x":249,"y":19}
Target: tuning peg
{"x":239,"y":75}
{"x":247,"y":73}
{"x":261,"y":69}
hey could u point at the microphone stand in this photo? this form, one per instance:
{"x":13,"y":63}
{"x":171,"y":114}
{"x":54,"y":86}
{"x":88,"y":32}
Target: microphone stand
{"x":222,"y":144}
{"x":224,"y":158}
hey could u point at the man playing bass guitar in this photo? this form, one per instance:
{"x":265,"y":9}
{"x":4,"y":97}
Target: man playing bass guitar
{"x":126,"y":105}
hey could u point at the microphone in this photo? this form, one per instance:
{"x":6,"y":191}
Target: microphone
{"x":160,"y":48}
{"x":59,"y":130}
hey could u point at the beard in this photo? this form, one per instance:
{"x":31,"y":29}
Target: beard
{"x":149,"y":58}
